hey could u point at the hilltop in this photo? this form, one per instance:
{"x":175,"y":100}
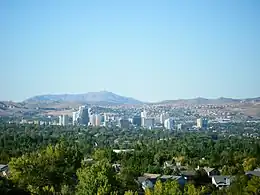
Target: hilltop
{"x":66,"y":103}
{"x":103,"y":97}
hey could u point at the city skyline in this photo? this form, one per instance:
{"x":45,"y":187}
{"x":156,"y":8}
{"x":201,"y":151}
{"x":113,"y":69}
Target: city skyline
{"x":148,"y":50}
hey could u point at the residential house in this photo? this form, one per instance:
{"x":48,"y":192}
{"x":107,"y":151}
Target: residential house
{"x":116,"y":167}
{"x":211,"y":171}
{"x":250,"y":174}
{"x":221,"y":181}
{"x":4,"y":170}
{"x":180,"y":179}
{"x":149,"y":180}
{"x":188,"y":175}
{"x":168,"y":164}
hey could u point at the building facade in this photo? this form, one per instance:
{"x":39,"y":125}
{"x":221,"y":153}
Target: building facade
{"x":169,"y":124}
{"x":202,"y":123}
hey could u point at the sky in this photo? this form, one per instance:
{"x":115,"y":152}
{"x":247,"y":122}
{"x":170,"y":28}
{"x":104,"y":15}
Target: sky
{"x":148,"y":50}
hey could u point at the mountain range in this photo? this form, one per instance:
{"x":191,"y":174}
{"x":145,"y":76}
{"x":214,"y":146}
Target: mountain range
{"x":106,"y":97}
{"x":65,"y":103}
{"x":90,"y":97}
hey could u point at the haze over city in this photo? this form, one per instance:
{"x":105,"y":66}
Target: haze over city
{"x":148,"y":50}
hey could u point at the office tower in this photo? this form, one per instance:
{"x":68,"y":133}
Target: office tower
{"x":60,"y":120}
{"x":142,"y":121}
{"x":148,"y":122}
{"x":169,"y":124}
{"x":90,"y":111}
{"x":102,"y":119}
{"x":163,"y":117}
{"x":143,"y":114}
{"x":92,"y":119}
{"x":74,"y":118}
{"x":202,"y":123}
{"x":137,"y":120}
{"x":98,"y":120}
{"x":83,"y":115}
{"x":106,"y":117}
{"x":124,"y":123}
{"x":65,"y":120}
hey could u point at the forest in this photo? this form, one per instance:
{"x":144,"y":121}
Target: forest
{"x":82,"y":160}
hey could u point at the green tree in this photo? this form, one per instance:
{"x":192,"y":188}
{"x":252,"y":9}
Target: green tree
{"x":148,"y":191}
{"x":172,"y":187}
{"x":250,"y":164}
{"x":190,"y":189}
{"x":130,"y":193}
{"x":46,"y":170}
{"x":97,"y":178}
{"x":158,"y":188}
{"x":253,"y":185}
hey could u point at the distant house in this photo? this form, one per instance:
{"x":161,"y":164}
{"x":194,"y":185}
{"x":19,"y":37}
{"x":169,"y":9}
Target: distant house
{"x":180,"y":179}
{"x":211,"y":171}
{"x":188,"y":175}
{"x":250,"y":174}
{"x":117,"y":167}
{"x":149,"y":180}
{"x":123,"y":151}
{"x":168,"y":164}
{"x":4,"y":170}
{"x":221,"y":181}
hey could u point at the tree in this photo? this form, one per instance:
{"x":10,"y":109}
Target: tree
{"x":97,"y":178}
{"x":127,"y":180}
{"x":101,"y":154}
{"x":190,"y":189}
{"x":130,"y":193}
{"x":46,"y":170}
{"x":158,"y":188}
{"x":148,"y":191}
{"x":172,"y":187}
{"x":253,"y":185}
{"x":250,"y":164}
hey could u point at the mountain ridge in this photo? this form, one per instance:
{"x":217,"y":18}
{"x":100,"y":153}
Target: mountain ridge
{"x":200,"y":100}
{"x":112,"y":98}
{"x":90,"y":97}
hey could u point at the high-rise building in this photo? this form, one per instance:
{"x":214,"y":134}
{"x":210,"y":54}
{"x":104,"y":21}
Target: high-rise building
{"x":63,"y":120}
{"x":92,"y":119}
{"x":81,"y":117}
{"x":60,"y":120}
{"x":163,"y":117}
{"x":143,"y":114}
{"x":137,"y":120}
{"x":98,"y":120}
{"x":148,"y":122}
{"x":102,"y":119}
{"x":169,"y":124}
{"x":106,"y":117}
{"x":202,"y":123}
{"x":75,"y":116}
{"x":124,"y":123}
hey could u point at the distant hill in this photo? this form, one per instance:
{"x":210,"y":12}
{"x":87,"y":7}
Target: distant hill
{"x":103,"y":97}
{"x":201,"y":101}
{"x":67,"y":103}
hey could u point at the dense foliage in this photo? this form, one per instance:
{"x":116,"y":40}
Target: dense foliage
{"x":53,"y":159}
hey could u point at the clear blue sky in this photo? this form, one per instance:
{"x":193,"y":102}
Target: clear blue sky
{"x":149,"y":50}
